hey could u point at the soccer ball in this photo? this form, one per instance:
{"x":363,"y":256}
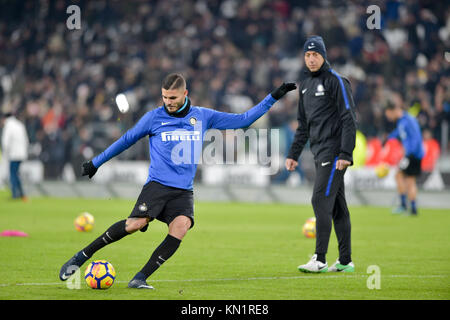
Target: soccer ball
{"x":381,"y":170}
{"x":84,"y":222}
{"x":100,"y":274}
{"x":309,"y":228}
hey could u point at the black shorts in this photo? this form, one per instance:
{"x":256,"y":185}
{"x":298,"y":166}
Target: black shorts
{"x":164,"y":203}
{"x":410,"y":166}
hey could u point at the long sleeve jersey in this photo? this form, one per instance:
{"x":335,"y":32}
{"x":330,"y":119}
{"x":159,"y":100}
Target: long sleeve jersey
{"x":408,"y":131}
{"x":176,"y":142}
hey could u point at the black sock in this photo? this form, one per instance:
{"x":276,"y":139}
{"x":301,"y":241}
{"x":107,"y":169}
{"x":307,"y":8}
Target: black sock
{"x":403,"y":200}
{"x":164,"y":251}
{"x":115,"y":232}
{"x":321,"y":257}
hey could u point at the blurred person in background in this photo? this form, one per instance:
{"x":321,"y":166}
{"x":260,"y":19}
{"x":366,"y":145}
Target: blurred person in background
{"x":15,"y":150}
{"x":409,"y":133}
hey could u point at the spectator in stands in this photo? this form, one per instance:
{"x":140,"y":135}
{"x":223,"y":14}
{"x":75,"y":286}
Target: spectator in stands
{"x":125,"y":46}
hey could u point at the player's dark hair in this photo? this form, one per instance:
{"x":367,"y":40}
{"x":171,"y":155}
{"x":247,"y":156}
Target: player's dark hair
{"x":390,"y":102}
{"x":173,"y":81}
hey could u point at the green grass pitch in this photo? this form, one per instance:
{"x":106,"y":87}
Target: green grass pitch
{"x":235,"y":251}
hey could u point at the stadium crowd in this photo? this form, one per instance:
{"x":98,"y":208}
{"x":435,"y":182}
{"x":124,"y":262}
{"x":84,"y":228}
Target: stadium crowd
{"x":62,"y":83}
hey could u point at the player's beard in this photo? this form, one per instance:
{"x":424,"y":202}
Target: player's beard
{"x":174,"y":107}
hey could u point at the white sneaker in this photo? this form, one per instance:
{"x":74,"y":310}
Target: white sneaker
{"x":338,"y":267}
{"x":314,"y":266}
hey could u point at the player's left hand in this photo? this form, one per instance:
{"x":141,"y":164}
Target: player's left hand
{"x":342,"y":164}
{"x":279,"y":92}
{"x":89,"y":169}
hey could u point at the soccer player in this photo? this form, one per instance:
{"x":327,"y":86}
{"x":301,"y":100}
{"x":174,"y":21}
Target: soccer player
{"x":167,"y":195}
{"x":326,"y":118}
{"x":408,"y":131}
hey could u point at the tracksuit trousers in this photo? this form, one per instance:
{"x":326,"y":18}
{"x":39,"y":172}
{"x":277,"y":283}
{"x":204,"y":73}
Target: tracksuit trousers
{"x":330,"y":206}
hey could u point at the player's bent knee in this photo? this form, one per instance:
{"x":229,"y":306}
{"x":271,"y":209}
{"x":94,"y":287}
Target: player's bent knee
{"x":179,"y":227}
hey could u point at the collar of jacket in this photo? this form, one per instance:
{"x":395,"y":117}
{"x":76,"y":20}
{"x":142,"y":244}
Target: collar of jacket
{"x":325,"y":67}
{"x":182,"y":112}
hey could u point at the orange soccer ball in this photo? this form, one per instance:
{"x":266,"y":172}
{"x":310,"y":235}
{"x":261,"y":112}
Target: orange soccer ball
{"x":100,"y":274}
{"x":84,"y":222}
{"x":309,"y":228}
{"x":382,"y":170}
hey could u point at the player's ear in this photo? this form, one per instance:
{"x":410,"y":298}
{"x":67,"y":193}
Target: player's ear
{"x":186,"y":93}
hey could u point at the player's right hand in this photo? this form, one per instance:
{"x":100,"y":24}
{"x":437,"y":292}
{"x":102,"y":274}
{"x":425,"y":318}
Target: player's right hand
{"x":88,"y":169}
{"x":291,"y":164}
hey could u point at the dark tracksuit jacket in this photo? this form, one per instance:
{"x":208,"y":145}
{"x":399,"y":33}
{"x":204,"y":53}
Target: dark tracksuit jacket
{"x":326,"y":117}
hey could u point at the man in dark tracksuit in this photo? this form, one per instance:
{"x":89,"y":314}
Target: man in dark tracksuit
{"x":326,"y":118}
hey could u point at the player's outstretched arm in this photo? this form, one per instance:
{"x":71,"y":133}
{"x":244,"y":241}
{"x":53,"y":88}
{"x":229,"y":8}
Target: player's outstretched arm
{"x":141,"y":129}
{"x":223,"y":120}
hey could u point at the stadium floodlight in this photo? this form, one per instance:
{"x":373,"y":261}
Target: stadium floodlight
{"x":122,"y":103}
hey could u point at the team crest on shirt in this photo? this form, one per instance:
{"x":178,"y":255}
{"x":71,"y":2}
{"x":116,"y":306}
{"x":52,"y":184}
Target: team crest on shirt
{"x":143,"y":207}
{"x":320,"y":91}
{"x":192,"y":121}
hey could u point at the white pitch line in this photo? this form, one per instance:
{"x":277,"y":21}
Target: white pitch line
{"x":247,"y":279}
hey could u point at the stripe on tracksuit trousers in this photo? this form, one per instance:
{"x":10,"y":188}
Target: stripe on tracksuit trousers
{"x":330,"y":206}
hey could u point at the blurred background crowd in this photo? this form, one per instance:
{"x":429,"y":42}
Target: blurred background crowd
{"x":62,"y":83}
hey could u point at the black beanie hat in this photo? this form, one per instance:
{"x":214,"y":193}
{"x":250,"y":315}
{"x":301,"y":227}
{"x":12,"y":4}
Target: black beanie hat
{"x":315,"y":43}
